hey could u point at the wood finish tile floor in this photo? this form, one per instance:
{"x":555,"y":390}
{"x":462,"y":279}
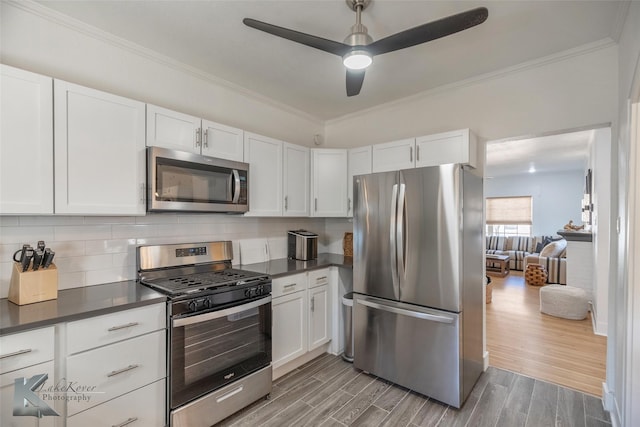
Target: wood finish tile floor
{"x":329,"y":392}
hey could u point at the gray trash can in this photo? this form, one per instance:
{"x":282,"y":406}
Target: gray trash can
{"x":347,"y":315}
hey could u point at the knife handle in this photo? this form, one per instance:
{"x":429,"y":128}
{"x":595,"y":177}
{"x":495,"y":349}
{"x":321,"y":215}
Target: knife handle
{"x":37,"y":259}
{"x":27,"y":259}
{"x":21,"y":252}
{"x":40,"y":246}
{"x":48,"y":258}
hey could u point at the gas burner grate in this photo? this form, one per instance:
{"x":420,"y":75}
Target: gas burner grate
{"x":208,"y":280}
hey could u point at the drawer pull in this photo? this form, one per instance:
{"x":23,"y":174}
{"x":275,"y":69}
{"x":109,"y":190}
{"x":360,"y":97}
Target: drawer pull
{"x":16,"y":353}
{"x":128,"y":325}
{"x":321,"y":278}
{"x":231,"y":393}
{"x":120,"y":371}
{"x":289,"y":287}
{"x":126,"y":423}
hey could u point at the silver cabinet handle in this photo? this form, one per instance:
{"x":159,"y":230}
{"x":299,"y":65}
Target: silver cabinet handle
{"x":316,"y":204}
{"x":123,"y":370}
{"x":16,"y":353}
{"x":410,"y":154}
{"x":197,"y":138}
{"x":318,"y":279}
{"x":348,"y":204}
{"x":126,"y":423}
{"x":286,"y":203}
{"x":205,"y":138}
{"x":143,"y":192}
{"x":313,"y":303}
{"x":289,"y":286}
{"x":117,"y":328}
{"x":417,"y":153}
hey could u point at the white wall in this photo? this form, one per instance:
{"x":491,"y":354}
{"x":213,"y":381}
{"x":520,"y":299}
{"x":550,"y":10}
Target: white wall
{"x":556,"y":197}
{"x":549,"y":96}
{"x":40,"y":40}
{"x":623,"y":340}
{"x":95,"y":250}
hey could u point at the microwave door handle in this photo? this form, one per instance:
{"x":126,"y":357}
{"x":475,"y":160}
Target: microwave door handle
{"x":236,"y":187}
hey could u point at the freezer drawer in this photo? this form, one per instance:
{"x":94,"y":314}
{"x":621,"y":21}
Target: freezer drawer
{"x":415,"y":347}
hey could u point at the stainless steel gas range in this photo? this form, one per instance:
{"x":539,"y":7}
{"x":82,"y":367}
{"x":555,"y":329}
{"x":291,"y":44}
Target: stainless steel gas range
{"x":219,"y":330}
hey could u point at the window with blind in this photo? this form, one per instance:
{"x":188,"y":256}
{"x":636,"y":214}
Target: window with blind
{"x":509,"y":216}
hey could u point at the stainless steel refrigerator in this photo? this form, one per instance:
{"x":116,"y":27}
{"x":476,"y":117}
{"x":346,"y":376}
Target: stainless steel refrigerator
{"x":418,"y":279}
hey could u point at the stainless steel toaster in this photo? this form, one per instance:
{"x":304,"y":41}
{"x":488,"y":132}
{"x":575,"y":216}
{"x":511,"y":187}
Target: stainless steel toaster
{"x":302,"y":245}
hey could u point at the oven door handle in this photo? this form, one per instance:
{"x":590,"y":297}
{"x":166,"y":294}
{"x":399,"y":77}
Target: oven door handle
{"x":218,"y":314}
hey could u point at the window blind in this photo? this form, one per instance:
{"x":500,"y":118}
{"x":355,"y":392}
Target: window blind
{"x":509,"y":210}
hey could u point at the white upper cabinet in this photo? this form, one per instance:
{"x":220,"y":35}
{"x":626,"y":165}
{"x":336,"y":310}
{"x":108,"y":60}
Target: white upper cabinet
{"x":264,"y":156}
{"x":26,"y":142}
{"x":99,"y":152}
{"x":178,"y":131}
{"x":329,"y":183}
{"x":359,"y":164}
{"x":222,"y":141}
{"x":459,"y":146}
{"x":393,"y":156}
{"x":296,"y":180}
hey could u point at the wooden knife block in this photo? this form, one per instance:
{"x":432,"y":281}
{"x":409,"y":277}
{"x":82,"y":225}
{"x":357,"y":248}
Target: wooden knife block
{"x":31,"y":286}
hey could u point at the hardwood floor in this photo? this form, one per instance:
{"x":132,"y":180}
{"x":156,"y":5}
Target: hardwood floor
{"x":329,"y":392}
{"x":523,"y":340}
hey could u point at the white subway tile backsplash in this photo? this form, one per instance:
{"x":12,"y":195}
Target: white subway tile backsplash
{"x":253,"y":251}
{"x":27,"y":234}
{"x":96,"y":250}
{"x":82,"y":232}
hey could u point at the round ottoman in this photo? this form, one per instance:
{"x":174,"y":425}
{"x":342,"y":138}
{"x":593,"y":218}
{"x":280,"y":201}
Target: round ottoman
{"x":563,"y":301}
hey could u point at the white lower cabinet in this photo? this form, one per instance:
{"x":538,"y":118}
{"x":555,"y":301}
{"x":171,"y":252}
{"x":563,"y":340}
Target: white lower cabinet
{"x":138,"y":408}
{"x":7,"y":392}
{"x":302,"y":313}
{"x":289,"y":334}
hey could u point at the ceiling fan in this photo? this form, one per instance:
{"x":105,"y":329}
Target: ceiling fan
{"x":358,"y":49}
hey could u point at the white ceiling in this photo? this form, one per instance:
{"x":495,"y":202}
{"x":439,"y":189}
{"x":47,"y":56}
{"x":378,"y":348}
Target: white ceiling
{"x":553,"y":153}
{"x":210,"y":36}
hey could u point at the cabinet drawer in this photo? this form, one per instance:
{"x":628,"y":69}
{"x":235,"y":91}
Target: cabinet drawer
{"x":117,"y":369}
{"x":101,"y":330}
{"x":288,"y":284}
{"x":26,"y":348}
{"x":7,"y":391}
{"x":142,"y":407}
{"x":318,"y":278}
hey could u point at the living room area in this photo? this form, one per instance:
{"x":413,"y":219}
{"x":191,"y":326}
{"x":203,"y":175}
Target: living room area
{"x":547,"y":230}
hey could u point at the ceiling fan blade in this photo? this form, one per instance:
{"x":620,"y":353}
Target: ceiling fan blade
{"x":430,"y":31}
{"x":354,"y":81}
{"x":326,"y":45}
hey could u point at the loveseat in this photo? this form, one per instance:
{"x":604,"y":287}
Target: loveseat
{"x":553,"y":257}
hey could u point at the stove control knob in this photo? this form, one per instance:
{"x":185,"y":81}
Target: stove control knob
{"x":247,"y":293}
{"x":260,"y":290}
{"x":193,"y":306}
{"x":207,"y":303}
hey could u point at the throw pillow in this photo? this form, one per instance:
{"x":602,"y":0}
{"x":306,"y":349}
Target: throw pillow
{"x":554,"y":249}
{"x":539,"y":247}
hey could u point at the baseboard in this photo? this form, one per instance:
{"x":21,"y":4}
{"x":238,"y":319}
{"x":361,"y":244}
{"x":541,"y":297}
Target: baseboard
{"x":610,"y":405}
{"x":485,"y":361}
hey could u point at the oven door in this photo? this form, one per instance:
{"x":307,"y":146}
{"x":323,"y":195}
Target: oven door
{"x":213,"y":349}
{"x":181,"y":181}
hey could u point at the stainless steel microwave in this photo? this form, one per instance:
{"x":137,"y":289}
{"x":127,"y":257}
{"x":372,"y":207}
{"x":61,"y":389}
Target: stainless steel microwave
{"x":188,"y":182}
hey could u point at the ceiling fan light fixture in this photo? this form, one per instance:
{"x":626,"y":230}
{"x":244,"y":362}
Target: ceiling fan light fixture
{"x":357,"y":60}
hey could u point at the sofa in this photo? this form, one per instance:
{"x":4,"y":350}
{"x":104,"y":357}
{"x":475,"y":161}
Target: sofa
{"x":517,"y":247}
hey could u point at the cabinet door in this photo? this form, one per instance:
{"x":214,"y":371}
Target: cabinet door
{"x":224,"y":142}
{"x":289,"y":337}
{"x":359,"y":164}
{"x":170,"y":129}
{"x":393,"y":156}
{"x":329,"y":183}
{"x":449,"y":147}
{"x":296,"y":180}
{"x":26,"y":142}
{"x":264,"y":156}
{"x":7,"y":391}
{"x":319,"y":316}
{"x":99,"y":152}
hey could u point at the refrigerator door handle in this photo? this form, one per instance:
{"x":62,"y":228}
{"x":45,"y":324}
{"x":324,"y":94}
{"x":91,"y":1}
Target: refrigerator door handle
{"x":400,"y":243}
{"x":404,"y":312}
{"x":393,"y":243}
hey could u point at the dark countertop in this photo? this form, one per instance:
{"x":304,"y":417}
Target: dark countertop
{"x":90,"y":301}
{"x":284,"y":266}
{"x":576,"y":236}
{"x":75,"y":304}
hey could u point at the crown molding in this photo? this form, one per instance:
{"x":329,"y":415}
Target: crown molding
{"x":621,"y":17}
{"x":73,"y":24}
{"x":525,"y":66}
